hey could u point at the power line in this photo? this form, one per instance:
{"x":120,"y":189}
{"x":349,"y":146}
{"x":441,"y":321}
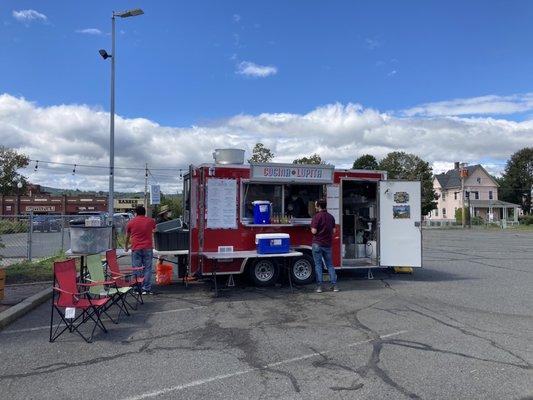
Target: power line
{"x":38,"y":162}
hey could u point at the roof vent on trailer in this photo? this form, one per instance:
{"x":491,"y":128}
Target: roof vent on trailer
{"x":229,"y":156}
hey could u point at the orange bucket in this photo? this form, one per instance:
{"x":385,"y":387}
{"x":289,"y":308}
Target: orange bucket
{"x":163,"y":273}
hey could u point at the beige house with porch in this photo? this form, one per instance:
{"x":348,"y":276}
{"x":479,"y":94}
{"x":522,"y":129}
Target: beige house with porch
{"x":480,"y":196}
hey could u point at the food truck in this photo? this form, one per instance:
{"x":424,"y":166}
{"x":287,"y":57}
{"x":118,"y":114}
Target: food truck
{"x":378,"y":221}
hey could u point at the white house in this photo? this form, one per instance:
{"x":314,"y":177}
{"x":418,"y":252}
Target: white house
{"x":481,"y":196}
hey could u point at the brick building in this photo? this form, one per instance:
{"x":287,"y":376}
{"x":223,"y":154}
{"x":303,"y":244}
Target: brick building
{"x":41,"y":203}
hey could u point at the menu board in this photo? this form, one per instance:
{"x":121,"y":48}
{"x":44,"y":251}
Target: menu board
{"x":333,"y":201}
{"x":222,"y":203}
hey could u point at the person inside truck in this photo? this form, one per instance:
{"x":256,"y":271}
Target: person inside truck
{"x":296,"y":207}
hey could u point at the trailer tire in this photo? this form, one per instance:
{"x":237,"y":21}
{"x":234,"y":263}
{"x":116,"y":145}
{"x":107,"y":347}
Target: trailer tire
{"x":303,"y":270}
{"x":264,"y":272}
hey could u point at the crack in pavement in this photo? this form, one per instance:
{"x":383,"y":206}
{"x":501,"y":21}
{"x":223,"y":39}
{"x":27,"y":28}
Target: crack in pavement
{"x":526,"y":365}
{"x":426,"y":347}
{"x":372,"y":364}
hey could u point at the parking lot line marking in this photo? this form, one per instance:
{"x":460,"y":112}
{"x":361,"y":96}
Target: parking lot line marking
{"x":38,"y":328}
{"x":175,"y":310}
{"x":248,"y":370}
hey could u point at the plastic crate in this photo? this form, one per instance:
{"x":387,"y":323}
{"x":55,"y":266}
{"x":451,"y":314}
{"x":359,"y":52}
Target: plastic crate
{"x":272,"y":243}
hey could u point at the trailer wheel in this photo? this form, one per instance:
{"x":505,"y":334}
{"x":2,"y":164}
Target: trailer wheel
{"x":303,"y":270}
{"x":264,"y":273}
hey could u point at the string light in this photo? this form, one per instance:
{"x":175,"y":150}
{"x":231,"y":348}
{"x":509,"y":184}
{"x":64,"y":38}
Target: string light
{"x":74,"y":170}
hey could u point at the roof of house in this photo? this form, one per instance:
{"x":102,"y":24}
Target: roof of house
{"x":493,"y":204}
{"x":452,"y":179}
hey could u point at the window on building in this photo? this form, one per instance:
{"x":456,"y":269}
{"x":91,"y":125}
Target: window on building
{"x":478,"y":180}
{"x":444,"y":212}
{"x":490,"y":195}
{"x":443,"y":195}
{"x":436,"y":212}
{"x":476,"y":194}
{"x":455,"y":195}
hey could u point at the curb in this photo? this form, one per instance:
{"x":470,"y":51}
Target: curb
{"x":25,"y":306}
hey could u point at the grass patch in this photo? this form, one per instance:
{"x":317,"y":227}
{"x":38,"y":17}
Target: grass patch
{"x":28,"y":272}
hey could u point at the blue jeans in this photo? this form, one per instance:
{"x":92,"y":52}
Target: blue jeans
{"x":143,"y":258}
{"x":322,"y":255}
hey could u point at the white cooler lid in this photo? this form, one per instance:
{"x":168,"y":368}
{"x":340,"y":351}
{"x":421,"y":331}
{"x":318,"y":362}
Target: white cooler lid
{"x":261,"y":202}
{"x":271,"y":236}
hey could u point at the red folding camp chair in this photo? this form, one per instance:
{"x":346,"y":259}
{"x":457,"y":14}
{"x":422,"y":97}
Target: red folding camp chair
{"x":125,"y":277}
{"x":66,"y":296}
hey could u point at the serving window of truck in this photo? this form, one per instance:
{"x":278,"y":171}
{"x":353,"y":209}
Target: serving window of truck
{"x":292,"y":189}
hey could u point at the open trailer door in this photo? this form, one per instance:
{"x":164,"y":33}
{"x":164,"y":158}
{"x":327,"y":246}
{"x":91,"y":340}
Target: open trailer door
{"x":400,"y":230}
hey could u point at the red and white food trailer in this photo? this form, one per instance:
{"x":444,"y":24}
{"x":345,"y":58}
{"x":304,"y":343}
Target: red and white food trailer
{"x":378,"y":221}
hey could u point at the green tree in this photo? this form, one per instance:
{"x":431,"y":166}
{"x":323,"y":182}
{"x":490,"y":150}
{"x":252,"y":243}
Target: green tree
{"x":10,"y":163}
{"x":459,"y":215}
{"x":401,"y":165}
{"x":261,"y":154}
{"x":366,"y":161}
{"x":313,"y":159}
{"x":174,"y":203}
{"x":516,"y":182}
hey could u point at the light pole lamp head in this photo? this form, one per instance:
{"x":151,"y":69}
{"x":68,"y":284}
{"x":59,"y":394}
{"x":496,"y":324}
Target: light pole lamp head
{"x":105,"y":55}
{"x":19,"y":184}
{"x":129,"y":13}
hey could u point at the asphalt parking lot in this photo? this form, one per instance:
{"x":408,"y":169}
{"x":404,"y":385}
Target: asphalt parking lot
{"x":460,"y":328}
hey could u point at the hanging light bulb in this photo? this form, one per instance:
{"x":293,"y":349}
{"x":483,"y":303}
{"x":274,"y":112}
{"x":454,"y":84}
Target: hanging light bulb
{"x":36,"y":166}
{"x":74,"y":170}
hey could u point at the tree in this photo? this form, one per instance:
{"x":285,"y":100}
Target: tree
{"x":261,"y":154}
{"x":366,"y":161}
{"x":10,"y":163}
{"x":516,"y":183}
{"x":459,"y":215}
{"x":174,"y":204}
{"x":400,"y":165}
{"x":313,"y":159}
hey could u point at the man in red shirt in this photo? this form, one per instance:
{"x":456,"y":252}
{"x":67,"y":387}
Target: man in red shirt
{"x":140,"y":231}
{"x":323,"y":228}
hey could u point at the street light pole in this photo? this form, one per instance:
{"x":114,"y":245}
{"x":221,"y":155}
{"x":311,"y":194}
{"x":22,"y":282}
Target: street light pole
{"x":124,"y":14}
{"x":110,"y":205}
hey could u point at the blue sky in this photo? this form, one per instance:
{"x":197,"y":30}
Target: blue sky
{"x":221,"y":65}
{"x":176,"y":64}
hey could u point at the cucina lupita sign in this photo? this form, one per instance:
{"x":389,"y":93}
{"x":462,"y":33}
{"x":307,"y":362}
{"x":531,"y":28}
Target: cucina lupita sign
{"x":292,"y":173}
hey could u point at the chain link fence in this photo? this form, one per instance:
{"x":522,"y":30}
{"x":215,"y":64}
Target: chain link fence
{"x":33,"y":237}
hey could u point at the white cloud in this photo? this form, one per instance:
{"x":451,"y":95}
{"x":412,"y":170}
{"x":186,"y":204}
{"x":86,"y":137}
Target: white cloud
{"x":29,"y":15}
{"x":91,"y":31}
{"x":392,"y":73}
{"x":483,"y":105}
{"x":338,"y":133}
{"x":372,"y":43}
{"x":258,"y":71}
{"x":236,"y":18}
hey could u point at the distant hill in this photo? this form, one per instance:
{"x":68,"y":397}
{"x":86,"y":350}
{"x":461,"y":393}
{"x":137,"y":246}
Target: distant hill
{"x":77,"y":192}
{"x":70,"y":192}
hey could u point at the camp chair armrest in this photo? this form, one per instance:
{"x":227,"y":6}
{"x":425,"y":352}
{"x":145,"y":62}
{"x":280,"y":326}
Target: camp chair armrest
{"x":65,"y":291}
{"x":132,"y":269}
{"x":97,"y":283}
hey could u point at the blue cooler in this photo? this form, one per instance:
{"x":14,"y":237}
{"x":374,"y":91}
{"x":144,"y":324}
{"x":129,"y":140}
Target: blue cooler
{"x":262,"y":211}
{"x":272,"y":243}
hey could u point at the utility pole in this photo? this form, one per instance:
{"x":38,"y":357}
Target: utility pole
{"x":463,"y":172}
{"x":146,"y":187}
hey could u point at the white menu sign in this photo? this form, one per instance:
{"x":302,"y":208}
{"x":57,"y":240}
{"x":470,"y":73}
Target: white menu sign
{"x":222,"y":203}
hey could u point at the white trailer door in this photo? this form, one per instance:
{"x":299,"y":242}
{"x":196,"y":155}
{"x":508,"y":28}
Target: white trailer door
{"x":400,"y":231}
